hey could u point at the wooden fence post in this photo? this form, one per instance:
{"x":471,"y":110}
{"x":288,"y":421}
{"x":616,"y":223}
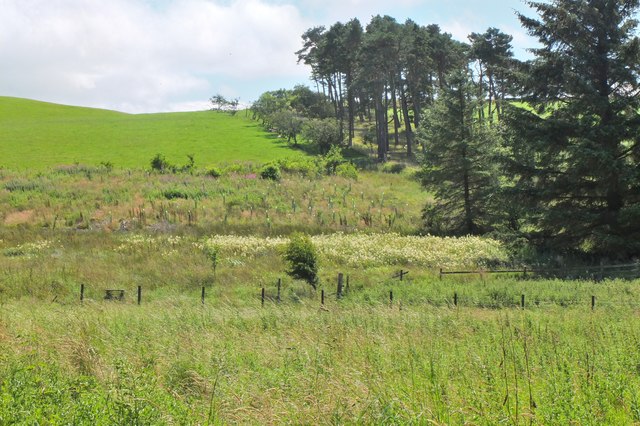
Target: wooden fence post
{"x":440,"y":273}
{"x":139,"y":294}
{"x":593,"y":302}
{"x":340,"y":279}
{"x":455,"y":299}
{"x":322,"y":297}
{"x":347,"y":289}
{"x":202,"y":296}
{"x":390,"y":297}
{"x":81,"y":293}
{"x":279,"y":285}
{"x":522,"y":301}
{"x":262,"y":297}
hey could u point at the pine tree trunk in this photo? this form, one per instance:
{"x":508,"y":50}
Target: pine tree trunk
{"x":340,"y":102}
{"x":350,"y":109}
{"x":385,"y":125}
{"x":396,"y":120}
{"x":380,"y":127}
{"x":407,"y":121}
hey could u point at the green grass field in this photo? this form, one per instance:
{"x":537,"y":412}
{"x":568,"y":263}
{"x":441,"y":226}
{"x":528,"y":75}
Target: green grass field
{"x":37,"y":135}
{"x":368,"y":358}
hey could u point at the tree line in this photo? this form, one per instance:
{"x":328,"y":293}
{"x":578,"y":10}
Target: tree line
{"x":543,"y":151}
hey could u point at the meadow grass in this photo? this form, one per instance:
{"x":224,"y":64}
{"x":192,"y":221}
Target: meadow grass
{"x":363,"y":359}
{"x":173,"y":362}
{"x":37,"y":135}
{"x":84,"y":197}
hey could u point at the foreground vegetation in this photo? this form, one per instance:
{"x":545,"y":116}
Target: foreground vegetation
{"x":427,"y":349}
{"x":171,"y":361}
{"x":362,"y":359}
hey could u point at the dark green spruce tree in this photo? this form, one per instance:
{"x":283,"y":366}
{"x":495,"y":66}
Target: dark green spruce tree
{"x":459,"y":161}
{"x":574,"y":152}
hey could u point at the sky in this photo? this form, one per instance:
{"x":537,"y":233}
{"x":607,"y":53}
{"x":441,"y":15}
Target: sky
{"x":142,"y":56}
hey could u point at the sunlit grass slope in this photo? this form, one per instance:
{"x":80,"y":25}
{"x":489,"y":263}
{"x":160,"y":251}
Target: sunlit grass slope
{"x":37,"y":135}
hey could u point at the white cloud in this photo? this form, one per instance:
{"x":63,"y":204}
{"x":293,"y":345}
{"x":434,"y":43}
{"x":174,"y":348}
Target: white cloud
{"x":344,"y":10}
{"x":458,"y":30}
{"x":135,"y":56}
{"x":162,"y":55}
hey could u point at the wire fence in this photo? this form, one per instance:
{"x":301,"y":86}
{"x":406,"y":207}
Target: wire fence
{"x":629,"y":271}
{"x":459,"y":294}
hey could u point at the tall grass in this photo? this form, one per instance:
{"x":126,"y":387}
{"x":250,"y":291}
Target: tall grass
{"x":172,"y":362}
{"x":239,"y":202}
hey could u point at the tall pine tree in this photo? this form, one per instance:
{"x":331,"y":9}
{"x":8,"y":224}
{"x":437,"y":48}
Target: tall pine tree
{"x":575,"y":154}
{"x":459,"y":161}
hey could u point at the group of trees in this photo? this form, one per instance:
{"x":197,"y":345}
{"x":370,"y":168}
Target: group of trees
{"x":384,"y":74}
{"x":300,"y":111}
{"x":545,"y":151}
{"x":559,"y":166}
{"x":221,"y":103}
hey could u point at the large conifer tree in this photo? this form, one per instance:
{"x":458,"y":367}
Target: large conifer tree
{"x":575,"y":156}
{"x":459,"y":161}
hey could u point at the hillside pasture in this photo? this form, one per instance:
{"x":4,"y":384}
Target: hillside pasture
{"x":37,"y":135}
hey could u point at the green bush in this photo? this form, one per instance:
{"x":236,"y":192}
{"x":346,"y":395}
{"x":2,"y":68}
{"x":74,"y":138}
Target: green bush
{"x":301,"y":256}
{"x":174,"y":193}
{"x":160,"y":164}
{"x":347,"y":170}
{"x":332,"y":159}
{"x":270,"y":171}
{"x":191,"y":164}
{"x":395,"y":168}
{"x":214,"y":172}
{"x":304,"y":166}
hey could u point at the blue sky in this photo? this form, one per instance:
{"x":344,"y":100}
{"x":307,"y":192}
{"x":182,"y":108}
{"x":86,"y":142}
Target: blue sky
{"x":172,"y":55}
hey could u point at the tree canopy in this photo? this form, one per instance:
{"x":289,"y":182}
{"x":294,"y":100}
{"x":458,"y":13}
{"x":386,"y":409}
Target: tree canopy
{"x":546,"y":150}
{"x":574,"y":156}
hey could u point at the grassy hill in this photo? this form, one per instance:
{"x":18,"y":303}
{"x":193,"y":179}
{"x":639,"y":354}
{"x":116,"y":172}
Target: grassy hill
{"x":37,"y":135}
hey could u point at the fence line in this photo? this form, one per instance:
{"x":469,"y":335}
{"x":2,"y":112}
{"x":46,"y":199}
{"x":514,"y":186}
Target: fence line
{"x":628,"y":268}
{"x":455,"y":302}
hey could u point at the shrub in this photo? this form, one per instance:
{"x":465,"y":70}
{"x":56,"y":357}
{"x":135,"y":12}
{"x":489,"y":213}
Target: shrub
{"x":323,"y":133}
{"x":107,"y":166}
{"x":22,"y":185}
{"x":214,"y":172}
{"x":304,"y":166}
{"x":213,"y":253}
{"x":159,"y":163}
{"x":270,"y":171}
{"x":174,"y":193}
{"x":347,"y":170}
{"x":395,"y":168}
{"x":188,"y":168}
{"x":301,"y":256}
{"x":332,"y":159}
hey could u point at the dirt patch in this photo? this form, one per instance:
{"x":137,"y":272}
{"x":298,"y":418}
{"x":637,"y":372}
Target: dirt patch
{"x":16,"y":218}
